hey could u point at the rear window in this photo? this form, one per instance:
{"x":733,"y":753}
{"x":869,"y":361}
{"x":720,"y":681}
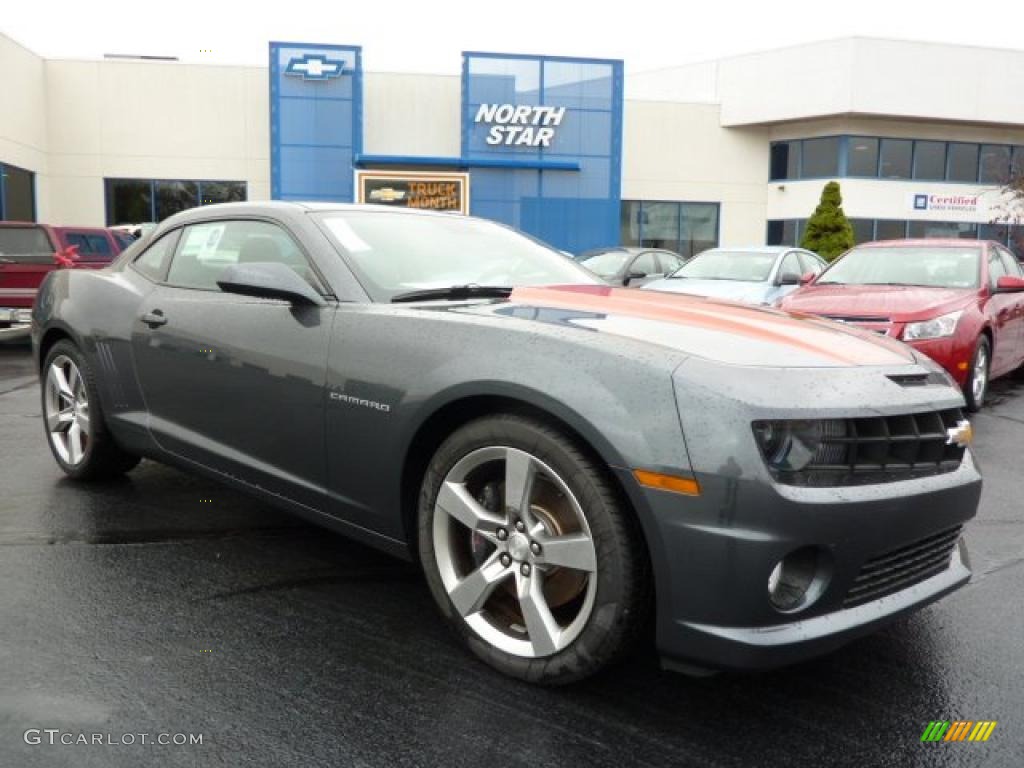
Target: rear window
{"x":89,"y":244}
{"x":23,"y":243}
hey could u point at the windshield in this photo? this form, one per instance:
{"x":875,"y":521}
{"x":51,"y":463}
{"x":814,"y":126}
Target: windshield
{"x":396,"y":253}
{"x":929,"y":266}
{"x":606,"y":263}
{"x":746,"y":266}
{"x":24,"y":241}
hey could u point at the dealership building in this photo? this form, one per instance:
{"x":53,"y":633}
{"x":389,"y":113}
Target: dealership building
{"x":578,"y":152}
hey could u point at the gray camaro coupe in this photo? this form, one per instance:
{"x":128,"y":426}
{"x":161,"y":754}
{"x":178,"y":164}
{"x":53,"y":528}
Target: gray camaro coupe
{"x":566,"y":460}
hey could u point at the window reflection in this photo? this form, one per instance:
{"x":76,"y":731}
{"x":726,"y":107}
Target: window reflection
{"x":686,"y":228}
{"x":137,"y":201}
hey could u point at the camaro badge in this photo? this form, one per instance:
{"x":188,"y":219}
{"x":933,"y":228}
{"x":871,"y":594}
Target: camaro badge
{"x":962,"y":434}
{"x":382,"y":407}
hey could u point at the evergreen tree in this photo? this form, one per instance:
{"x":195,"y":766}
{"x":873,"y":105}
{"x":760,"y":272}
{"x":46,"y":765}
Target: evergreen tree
{"x":828,"y":232}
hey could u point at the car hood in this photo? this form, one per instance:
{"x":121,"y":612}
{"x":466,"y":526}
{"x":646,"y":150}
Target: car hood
{"x":900,"y":303}
{"x":722,"y":331}
{"x":734,"y":290}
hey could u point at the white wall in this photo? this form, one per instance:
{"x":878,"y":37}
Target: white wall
{"x":680,"y":152}
{"x":23,"y":139}
{"x":406,"y":114}
{"x":110,"y":119}
{"x":850,"y":76}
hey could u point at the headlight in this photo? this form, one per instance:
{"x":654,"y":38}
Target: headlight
{"x":789,"y":446}
{"x":936,"y":328}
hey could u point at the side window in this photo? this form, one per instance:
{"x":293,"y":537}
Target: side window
{"x":996,"y":269}
{"x":98,"y":245}
{"x":79,"y":241}
{"x":207,"y":249}
{"x":153,"y":261}
{"x":809,"y":263}
{"x":670,"y":262}
{"x":1010,"y":263}
{"x":790,"y":264}
{"x":646,"y":262}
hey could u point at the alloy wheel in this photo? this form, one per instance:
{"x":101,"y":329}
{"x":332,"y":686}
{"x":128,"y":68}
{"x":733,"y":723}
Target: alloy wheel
{"x":979,"y":378}
{"x":66,"y":405}
{"x":514,"y":551}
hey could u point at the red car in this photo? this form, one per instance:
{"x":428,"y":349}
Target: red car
{"x":29,"y":251}
{"x":961,"y":302}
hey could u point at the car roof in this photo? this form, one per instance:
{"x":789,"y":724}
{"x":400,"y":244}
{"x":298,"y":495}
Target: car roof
{"x":918,"y":242}
{"x":756,"y":249}
{"x":22,"y":224}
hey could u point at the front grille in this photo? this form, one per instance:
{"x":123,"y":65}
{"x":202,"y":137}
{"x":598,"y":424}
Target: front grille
{"x":880,"y":325}
{"x":903,"y":567}
{"x":882,"y":449}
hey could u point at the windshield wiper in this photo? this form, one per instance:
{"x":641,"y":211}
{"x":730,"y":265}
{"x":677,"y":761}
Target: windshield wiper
{"x":471,"y":291}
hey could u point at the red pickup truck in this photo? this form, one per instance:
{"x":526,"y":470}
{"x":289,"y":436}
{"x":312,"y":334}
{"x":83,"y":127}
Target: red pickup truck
{"x":28,"y":252}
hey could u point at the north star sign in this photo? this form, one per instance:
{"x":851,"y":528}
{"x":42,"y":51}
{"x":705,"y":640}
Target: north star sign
{"x":519,"y":125}
{"x":315,"y":66}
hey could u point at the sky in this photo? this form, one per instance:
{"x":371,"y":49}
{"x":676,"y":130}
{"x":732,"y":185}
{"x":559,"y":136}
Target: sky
{"x":430,"y":35}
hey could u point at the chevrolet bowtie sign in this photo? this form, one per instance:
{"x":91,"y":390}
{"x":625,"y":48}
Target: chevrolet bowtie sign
{"x":519,"y":125}
{"x":315,"y":66}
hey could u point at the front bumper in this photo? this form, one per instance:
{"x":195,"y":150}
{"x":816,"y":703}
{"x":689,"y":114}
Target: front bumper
{"x":712,"y":554}
{"x":952,"y":353}
{"x":718,"y":550}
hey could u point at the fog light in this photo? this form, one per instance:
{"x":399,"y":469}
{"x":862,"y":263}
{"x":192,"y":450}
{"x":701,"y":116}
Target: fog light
{"x":798,"y":579}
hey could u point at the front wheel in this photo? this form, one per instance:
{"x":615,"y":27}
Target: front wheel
{"x":977,"y":380}
{"x":529,"y":551}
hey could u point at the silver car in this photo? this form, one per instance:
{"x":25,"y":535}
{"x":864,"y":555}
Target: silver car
{"x":755,"y":275}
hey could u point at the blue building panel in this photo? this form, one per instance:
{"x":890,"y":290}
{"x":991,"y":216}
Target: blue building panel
{"x":579,"y":102}
{"x":316,"y":121}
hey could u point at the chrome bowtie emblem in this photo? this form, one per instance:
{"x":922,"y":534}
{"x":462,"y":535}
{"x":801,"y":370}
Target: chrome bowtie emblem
{"x":962,"y":434}
{"x":315,"y":67}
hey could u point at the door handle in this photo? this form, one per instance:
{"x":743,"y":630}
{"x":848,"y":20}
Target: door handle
{"x":154,"y":318}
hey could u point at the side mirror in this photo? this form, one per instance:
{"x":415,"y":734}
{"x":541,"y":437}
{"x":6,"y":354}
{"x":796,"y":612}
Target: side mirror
{"x":789,"y":278}
{"x":807,"y":277}
{"x":633,"y":275}
{"x":1009,"y":284}
{"x":269,"y":280}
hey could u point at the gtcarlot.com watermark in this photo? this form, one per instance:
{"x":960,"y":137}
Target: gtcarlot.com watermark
{"x":55,"y":736}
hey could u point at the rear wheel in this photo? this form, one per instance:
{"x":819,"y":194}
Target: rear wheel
{"x":977,"y":381}
{"x":73,"y":417}
{"x":528,"y":551}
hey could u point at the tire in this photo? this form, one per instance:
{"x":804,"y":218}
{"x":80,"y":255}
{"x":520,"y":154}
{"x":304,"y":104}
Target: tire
{"x":73,"y":418}
{"x":976,"y":387}
{"x":552,"y":600}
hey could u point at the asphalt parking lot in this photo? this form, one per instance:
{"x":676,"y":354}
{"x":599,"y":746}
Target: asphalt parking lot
{"x":164,"y":603}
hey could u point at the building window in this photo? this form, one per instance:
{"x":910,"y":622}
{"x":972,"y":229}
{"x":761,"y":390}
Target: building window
{"x":943,"y":229}
{"x":863,"y":230}
{"x":963,"y":162}
{"x":789,"y":231}
{"x":785,"y":160}
{"x":137,"y":201}
{"x":17,"y":194}
{"x":820,"y":158}
{"x":889,"y":229}
{"x":1016,"y":242}
{"x":929,"y":160}
{"x":896,"y":158}
{"x":686,"y":228}
{"x":862,"y":157}
{"x":995,"y":164}
{"x":785,"y":231}
{"x":873,"y":157}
